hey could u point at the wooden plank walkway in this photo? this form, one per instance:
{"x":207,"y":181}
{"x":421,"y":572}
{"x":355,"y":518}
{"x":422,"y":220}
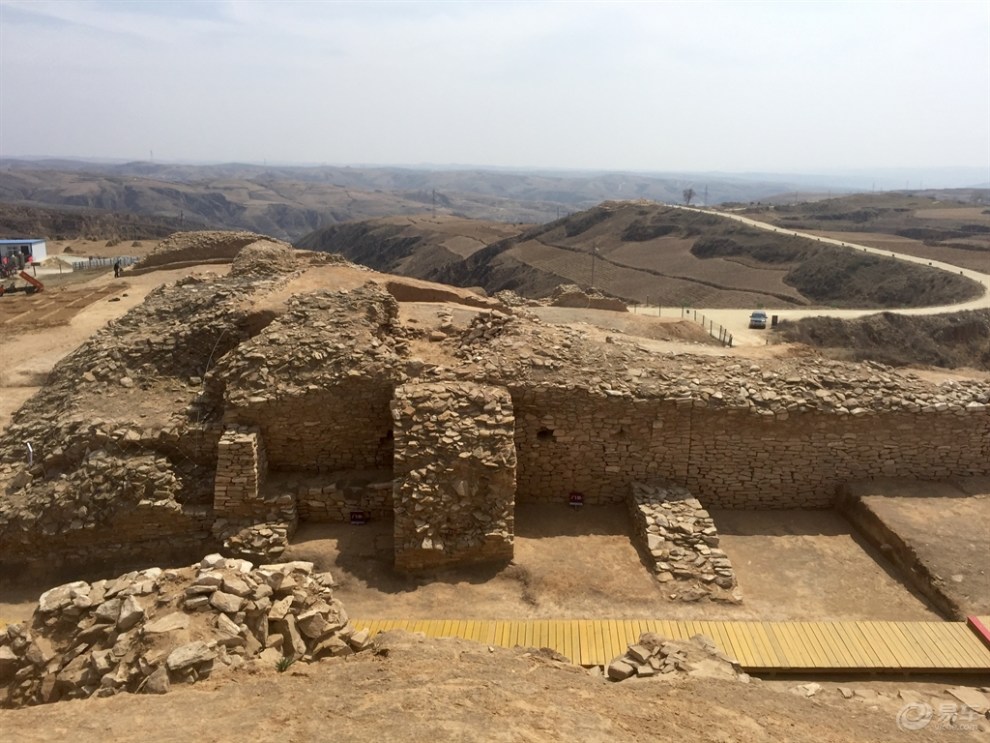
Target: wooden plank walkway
{"x":852,"y":646}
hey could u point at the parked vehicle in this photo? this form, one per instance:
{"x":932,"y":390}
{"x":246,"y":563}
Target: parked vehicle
{"x":758,"y":320}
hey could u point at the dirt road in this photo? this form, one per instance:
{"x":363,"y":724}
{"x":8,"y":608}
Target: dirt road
{"x":736,"y":321}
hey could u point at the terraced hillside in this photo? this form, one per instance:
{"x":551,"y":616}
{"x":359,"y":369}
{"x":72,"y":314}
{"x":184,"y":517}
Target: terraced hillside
{"x":951,"y":226}
{"x":648,"y":252}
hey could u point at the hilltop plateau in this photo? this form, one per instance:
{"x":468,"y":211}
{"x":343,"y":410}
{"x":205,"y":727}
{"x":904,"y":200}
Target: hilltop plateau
{"x":142,"y":436}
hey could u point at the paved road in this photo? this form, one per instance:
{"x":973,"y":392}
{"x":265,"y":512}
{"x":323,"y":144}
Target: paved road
{"x":736,"y":321}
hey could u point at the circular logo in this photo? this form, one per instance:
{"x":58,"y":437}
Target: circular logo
{"x":914,"y":716}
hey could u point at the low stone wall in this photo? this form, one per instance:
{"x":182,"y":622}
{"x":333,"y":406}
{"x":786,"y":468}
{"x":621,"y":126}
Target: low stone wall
{"x":157,"y":531}
{"x":337,"y":497}
{"x":455,"y":468}
{"x":680,"y":537}
{"x":598,"y":442}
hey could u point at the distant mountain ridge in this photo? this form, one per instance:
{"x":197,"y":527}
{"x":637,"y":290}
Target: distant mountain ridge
{"x":290,"y":201}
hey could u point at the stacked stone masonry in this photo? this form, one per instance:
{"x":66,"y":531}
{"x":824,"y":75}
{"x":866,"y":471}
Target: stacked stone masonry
{"x":455,"y":469}
{"x":335,"y":497}
{"x":576,"y":440}
{"x":681,"y":540}
{"x":241,"y":470}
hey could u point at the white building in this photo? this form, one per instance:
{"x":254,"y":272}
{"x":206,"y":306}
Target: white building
{"x":33,"y":250}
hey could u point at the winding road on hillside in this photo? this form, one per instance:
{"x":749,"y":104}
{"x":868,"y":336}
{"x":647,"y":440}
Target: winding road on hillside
{"x":736,"y":321}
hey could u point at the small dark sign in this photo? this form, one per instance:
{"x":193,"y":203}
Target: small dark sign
{"x":576,"y":500}
{"x":358,"y":518}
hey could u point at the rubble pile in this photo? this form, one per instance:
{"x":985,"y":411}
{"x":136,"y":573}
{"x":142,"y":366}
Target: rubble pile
{"x":572,"y":295}
{"x":510,"y":299}
{"x":264,"y":541}
{"x":483,"y":328}
{"x":207,"y":246}
{"x":163,"y":346}
{"x":322,"y":338}
{"x":655,"y":656}
{"x":144,"y":631}
{"x":265,"y":258}
{"x":681,"y":538}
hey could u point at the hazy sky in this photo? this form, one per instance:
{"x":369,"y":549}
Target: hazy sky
{"x":729,"y":86}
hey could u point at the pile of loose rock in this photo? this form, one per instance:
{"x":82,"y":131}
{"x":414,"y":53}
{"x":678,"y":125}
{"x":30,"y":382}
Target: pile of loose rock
{"x":571,"y":295}
{"x":146,"y":630}
{"x":655,"y":656}
{"x":264,"y":541}
{"x":681,"y":538}
{"x":200,"y":247}
{"x":485,"y":327}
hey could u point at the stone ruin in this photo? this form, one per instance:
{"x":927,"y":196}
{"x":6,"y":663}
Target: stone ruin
{"x":681,"y":539}
{"x":149,"y":629}
{"x":455,"y":468}
{"x":222,"y":412}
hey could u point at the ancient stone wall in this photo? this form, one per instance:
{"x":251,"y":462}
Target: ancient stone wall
{"x":740,"y":460}
{"x":148,"y":530}
{"x":680,"y":538}
{"x":346,"y":427}
{"x":573,"y":440}
{"x":337,"y":497}
{"x":241,"y":470}
{"x":455,"y":469}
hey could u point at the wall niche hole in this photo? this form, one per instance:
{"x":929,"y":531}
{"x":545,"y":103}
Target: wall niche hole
{"x":545,"y":434}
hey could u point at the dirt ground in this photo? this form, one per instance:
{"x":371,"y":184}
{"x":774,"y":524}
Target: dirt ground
{"x":800,"y":565}
{"x":946,"y":528}
{"x":414,"y":690}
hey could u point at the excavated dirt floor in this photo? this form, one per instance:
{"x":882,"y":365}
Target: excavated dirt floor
{"x":800,"y":565}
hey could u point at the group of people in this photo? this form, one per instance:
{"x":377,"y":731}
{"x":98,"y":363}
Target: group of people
{"x":11,"y":264}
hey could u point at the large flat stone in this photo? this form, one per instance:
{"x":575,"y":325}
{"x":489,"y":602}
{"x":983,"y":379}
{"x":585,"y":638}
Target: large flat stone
{"x":189,"y":655}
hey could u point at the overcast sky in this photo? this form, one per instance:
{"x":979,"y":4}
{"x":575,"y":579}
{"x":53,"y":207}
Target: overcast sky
{"x":662,"y":86}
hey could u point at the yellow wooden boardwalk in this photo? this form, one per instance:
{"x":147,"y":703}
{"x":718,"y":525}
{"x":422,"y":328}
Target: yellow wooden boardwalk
{"x":758,"y":646}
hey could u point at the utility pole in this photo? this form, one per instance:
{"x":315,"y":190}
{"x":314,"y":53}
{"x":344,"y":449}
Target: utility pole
{"x":594,"y":252}
{"x":706,"y":195}
{"x":434,"y":203}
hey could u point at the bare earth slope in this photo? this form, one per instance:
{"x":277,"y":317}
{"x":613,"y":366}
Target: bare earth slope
{"x":414,"y":690}
{"x":648,"y":252}
{"x":418,"y":246}
{"x":951,"y":340}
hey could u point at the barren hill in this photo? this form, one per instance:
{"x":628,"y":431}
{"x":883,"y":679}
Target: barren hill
{"x":18,"y":220}
{"x":951,"y":226}
{"x":648,"y":252}
{"x":289,"y":201}
{"x":417,"y":246}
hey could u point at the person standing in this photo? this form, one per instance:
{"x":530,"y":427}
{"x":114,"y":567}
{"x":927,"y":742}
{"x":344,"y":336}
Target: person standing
{"x":116,"y":269}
